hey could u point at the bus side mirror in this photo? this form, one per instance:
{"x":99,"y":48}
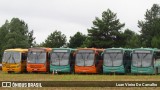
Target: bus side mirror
{"x":155,"y":56}
{"x":101,"y":56}
{"x":131,"y":54}
{"x":96,"y":53}
{"x":24,"y":56}
{"x":74,"y":54}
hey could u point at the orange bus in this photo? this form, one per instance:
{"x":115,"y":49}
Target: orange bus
{"x":88,"y":60}
{"x":38,"y":59}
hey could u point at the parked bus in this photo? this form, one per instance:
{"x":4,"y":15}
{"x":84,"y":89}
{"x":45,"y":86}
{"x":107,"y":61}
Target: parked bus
{"x":62,"y":60}
{"x":145,"y":61}
{"x":117,"y":60}
{"x":88,"y":60}
{"x":14,"y":60}
{"x":38,"y":59}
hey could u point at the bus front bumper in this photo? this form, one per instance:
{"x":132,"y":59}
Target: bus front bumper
{"x":62,"y":69}
{"x":85,"y":69}
{"x":115,"y":69}
{"x":142,"y":70}
{"x":36,"y":68}
{"x":11,"y":69}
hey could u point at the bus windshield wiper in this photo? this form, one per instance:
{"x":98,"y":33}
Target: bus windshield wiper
{"x":30,"y":56}
{"x":82,"y":58}
{"x":137,"y":55}
{"x":111,"y":58}
{"x":116,"y":54}
{"x":145,"y":55}
{"x":13,"y":59}
{"x":8,"y":59}
{"x":39,"y":55}
{"x":62,"y":56}
{"x":88,"y":55}
{"x":58,"y":58}
{"x":30,"y":53}
{"x":139,"y":59}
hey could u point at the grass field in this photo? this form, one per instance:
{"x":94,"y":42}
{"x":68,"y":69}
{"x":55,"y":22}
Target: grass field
{"x":76,"y":77}
{"x":79,"y":77}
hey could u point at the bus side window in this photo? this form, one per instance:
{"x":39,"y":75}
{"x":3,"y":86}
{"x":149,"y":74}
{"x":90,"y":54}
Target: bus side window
{"x":98,"y":58}
{"x":49,"y":56}
{"x":71,"y":59}
{"x":72,"y":56}
{"x":24,"y":56}
{"x":157,"y":56}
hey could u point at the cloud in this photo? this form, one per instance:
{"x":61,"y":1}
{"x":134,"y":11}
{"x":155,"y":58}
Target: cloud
{"x":70,"y":16}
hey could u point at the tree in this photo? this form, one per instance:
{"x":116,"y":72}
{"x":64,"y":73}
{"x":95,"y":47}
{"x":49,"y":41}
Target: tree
{"x":155,"y":42}
{"x":131,"y":40}
{"x":15,"y":34}
{"x":18,"y":35}
{"x":150,"y":27}
{"x":76,"y":40}
{"x":106,"y":32}
{"x":86,"y":43}
{"x":128,"y":34}
{"x":55,"y":40}
{"x":3,"y":33}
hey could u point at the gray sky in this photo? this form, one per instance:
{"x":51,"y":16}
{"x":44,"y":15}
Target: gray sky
{"x":70,"y":16}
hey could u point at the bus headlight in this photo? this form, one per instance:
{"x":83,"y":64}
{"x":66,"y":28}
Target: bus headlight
{"x":3,"y":65}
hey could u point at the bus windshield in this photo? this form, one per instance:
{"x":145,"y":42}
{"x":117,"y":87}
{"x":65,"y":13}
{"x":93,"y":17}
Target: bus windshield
{"x":36,"y":57}
{"x":141,"y":59}
{"x":85,"y":59}
{"x":60,"y":58}
{"x":113,"y":59}
{"x":11,"y":57}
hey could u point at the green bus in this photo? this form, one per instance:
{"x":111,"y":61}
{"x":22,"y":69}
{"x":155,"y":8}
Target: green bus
{"x":145,"y":61}
{"x":62,"y":60}
{"x":117,"y":60}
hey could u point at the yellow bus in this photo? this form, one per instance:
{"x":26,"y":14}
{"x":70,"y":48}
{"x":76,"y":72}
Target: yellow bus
{"x":14,"y":60}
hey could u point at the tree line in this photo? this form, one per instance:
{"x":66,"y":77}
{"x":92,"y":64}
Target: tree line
{"x":107,"y":31}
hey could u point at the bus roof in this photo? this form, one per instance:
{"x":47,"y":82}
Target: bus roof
{"x":40,"y":48}
{"x":153,"y":49}
{"x":125,"y":49}
{"x":61,"y":48}
{"x":70,"y":49}
{"x":150,"y":49}
{"x":17,"y":49}
{"x":96,"y":49}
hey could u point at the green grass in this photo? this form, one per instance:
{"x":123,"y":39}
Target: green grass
{"x":76,"y":77}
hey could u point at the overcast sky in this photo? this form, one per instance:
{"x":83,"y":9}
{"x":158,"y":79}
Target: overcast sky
{"x":70,"y":16}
